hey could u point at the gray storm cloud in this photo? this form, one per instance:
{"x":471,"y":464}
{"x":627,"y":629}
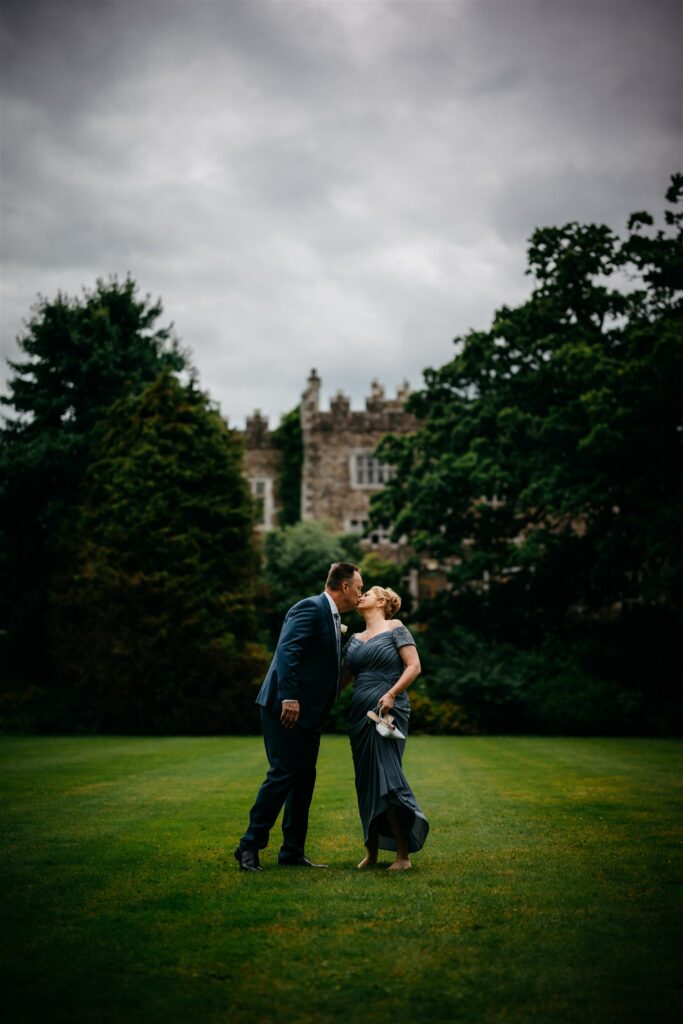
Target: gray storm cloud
{"x":345,"y":185}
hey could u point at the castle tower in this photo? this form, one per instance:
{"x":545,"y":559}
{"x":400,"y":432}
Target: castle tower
{"x":340,"y":470}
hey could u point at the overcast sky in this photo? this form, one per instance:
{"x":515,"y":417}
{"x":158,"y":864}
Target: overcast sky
{"x":346,"y":185}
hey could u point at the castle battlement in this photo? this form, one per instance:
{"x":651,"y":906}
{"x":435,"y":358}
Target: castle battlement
{"x":257,"y":432}
{"x":376,"y":405}
{"x":340,"y":472}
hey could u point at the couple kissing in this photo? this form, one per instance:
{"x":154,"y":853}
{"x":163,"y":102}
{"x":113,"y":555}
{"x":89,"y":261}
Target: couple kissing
{"x":305,"y":677}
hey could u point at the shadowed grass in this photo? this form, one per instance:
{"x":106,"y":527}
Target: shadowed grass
{"x":548,"y":890}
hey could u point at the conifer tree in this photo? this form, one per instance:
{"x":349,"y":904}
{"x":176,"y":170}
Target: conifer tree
{"x":79,"y":355}
{"x":152,"y":627}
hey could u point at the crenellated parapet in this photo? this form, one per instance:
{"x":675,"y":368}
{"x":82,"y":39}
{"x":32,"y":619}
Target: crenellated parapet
{"x":380,"y":412}
{"x":340,"y":472}
{"x":262,"y":461}
{"x":257,"y":434}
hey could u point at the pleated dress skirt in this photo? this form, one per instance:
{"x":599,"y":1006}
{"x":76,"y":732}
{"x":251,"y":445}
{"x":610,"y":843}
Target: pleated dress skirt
{"x":378,"y":761}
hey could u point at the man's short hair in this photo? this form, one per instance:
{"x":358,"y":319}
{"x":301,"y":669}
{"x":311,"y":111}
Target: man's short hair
{"x":340,"y":571}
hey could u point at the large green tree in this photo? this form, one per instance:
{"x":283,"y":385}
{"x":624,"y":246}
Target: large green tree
{"x":297,"y":559}
{"x":79,"y":355}
{"x":548,"y":470}
{"x":151,"y":623}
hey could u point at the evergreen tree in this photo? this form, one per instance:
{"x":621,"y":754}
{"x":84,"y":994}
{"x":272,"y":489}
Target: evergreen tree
{"x":152,"y":628}
{"x":80,"y":355}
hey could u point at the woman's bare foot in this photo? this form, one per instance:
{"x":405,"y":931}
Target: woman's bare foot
{"x":400,"y":864}
{"x":369,"y":860}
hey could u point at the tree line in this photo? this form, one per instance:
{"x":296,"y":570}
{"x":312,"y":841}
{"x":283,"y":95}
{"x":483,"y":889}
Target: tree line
{"x":548,"y":476}
{"x":545,"y":479}
{"x":128,"y":565}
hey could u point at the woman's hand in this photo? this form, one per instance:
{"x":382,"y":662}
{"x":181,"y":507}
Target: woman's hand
{"x":386,"y":703}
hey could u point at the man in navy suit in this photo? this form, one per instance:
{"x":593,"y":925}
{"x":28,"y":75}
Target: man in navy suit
{"x":300,"y":687}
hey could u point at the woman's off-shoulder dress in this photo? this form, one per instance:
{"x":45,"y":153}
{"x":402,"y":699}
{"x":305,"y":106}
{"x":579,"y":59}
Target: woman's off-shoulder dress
{"x":376,"y":665}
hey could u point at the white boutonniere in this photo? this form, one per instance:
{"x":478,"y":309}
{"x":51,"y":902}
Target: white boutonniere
{"x":343,"y":629}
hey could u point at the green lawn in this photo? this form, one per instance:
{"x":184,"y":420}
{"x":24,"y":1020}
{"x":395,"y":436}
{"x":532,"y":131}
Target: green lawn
{"x":547,"y":891}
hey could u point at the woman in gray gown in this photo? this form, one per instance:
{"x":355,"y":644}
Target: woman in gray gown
{"x":384,"y":661}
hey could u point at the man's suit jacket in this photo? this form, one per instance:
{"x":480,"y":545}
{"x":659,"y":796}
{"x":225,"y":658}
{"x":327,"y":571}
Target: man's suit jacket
{"x":306,"y":662}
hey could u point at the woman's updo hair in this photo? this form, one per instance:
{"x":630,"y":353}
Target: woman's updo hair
{"x":392,"y":601}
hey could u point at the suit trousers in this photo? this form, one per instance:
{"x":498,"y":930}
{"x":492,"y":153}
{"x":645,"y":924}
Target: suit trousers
{"x":292,"y":755}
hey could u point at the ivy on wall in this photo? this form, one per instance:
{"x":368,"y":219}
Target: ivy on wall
{"x":288,"y":438}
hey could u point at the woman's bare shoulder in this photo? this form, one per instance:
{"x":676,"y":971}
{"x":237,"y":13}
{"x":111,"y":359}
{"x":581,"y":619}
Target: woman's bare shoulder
{"x":394,"y":623}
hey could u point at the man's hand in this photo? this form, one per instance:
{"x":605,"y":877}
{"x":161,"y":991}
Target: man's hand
{"x":290,"y":713}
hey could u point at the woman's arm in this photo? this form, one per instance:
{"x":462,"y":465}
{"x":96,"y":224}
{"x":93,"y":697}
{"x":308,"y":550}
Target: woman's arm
{"x":411,"y":661}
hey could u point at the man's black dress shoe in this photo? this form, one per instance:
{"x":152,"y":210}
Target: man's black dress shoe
{"x":300,"y":862}
{"x":247,"y":859}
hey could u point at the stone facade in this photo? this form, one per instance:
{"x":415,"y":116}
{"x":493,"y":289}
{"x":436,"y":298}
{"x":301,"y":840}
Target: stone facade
{"x":340,"y":473}
{"x":262,"y":468}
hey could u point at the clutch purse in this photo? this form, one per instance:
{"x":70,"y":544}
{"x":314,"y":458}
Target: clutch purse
{"x":384,"y":724}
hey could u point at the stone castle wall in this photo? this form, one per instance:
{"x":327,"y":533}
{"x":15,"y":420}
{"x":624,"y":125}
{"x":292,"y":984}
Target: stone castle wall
{"x":262,"y":468}
{"x":340,"y":473}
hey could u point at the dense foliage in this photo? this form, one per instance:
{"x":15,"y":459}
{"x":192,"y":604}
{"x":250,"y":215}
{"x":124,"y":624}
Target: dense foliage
{"x":545,"y":484}
{"x":126,"y":530}
{"x":297,"y":559}
{"x":79,"y":356}
{"x":152,"y":621}
{"x":548,"y":476}
{"x":289,"y":439}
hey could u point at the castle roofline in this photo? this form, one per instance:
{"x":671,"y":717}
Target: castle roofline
{"x":257,"y":427}
{"x":376,"y":401}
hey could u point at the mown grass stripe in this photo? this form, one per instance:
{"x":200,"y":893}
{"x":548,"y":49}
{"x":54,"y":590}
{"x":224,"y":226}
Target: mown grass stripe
{"x":548,"y":891}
